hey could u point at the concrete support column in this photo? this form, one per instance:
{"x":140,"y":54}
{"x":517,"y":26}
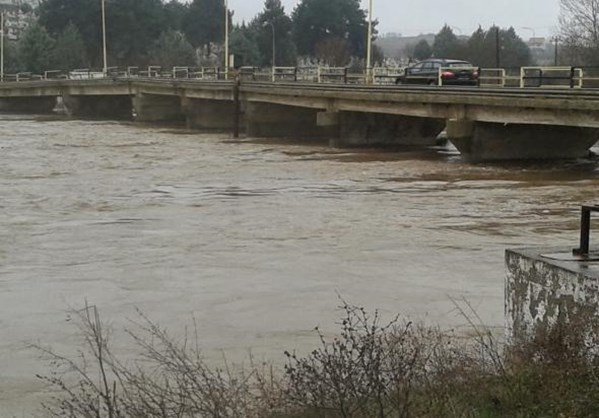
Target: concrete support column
{"x":34,"y":105}
{"x":374,"y":129}
{"x":481,"y":141}
{"x":270,"y":120}
{"x":104,"y":107}
{"x":217,"y":115}
{"x":158,"y":108}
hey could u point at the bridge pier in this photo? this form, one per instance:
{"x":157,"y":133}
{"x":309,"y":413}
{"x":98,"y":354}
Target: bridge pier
{"x":272,"y":120}
{"x":35,"y":105}
{"x":482,"y":141}
{"x":376,"y":129}
{"x":157,"y":108}
{"x":95,"y":106}
{"x":216,"y":115}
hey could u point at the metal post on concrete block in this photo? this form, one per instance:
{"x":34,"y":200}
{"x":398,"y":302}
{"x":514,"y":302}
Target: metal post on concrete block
{"x":585,"y":230}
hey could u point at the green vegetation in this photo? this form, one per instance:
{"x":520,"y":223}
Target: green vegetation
{"x":68,"y":35}
{"x":371,"y":369}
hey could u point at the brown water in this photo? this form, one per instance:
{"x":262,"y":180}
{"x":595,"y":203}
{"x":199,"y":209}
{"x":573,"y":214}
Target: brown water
{"x":255,"y":239}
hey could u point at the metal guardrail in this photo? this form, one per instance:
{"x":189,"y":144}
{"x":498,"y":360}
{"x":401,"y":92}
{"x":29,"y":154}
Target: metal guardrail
{"x":525,"y":77}
{"x":585,"y":231}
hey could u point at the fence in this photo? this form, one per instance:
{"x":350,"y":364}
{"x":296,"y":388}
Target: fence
{"x":525,"y":77}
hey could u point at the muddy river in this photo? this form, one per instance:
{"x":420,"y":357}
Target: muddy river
{"x":255,"y":239}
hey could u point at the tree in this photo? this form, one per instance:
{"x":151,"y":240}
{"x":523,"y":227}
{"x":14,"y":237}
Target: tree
{"x":132,"y":28}
{"x":316,"y":21}
{"x":244,"y":47}
{"x":447,"y":45}
{"x":333,"y":51}
{"x":480,"y":49}
{"x":35,"y":49}
{"x":579,"y":30}
{"x":12,"y":61}
{"x":175,"y":13}
{"x":172,"y":50}
{"x":69,"y":51}
{"x":204,"y":22}
{"x":273,"y":18}
{"x":422,"y":50}
{"x":513,"y":50}
{"x":85,"y":15}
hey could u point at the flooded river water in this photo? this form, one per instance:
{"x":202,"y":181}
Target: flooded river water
{"x":256,"y":239}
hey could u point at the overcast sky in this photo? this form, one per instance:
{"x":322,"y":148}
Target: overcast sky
{"x":412,"y":17}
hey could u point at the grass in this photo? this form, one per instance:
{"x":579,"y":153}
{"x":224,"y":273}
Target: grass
{"x":371,"y":369}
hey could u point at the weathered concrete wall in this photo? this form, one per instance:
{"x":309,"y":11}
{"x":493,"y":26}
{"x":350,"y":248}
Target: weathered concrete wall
{"x":218,"y":115}
{"x":376,"y":129}
{"x":272,"y":121}
{"x":105,"y":107}
{"x":546,"y":285}
{"x":158,"y":108}
{"x":495,"y":141}
{"x":35,"y":105}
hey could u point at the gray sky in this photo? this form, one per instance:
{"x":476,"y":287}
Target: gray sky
{"x":412,"y":17}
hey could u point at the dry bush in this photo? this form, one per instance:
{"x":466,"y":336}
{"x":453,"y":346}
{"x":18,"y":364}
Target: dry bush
{"x":371,"y":369}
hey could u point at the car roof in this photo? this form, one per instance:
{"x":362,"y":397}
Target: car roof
{"x":442,"y":60}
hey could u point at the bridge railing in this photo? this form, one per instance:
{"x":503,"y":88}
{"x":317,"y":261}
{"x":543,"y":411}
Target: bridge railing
{"x":525,"y":77}
{"x":551,"y":77}
{"x":386,"y":75}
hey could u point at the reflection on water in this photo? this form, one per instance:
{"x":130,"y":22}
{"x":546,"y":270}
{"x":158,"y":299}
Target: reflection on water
{"x":254,"y":238}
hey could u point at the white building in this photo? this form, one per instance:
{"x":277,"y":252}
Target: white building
{"x":17,"y":14}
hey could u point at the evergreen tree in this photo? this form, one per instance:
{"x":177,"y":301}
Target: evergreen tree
{"x":204,"y":22}
{"x":85,"y":15}
{"x":316,"y":21}
{"x":245,"y":47}
{"x":35,"y":49}
{"x":422,"y":50}
{"x":172,"y":50}
{"x":69,"y":51}
{"x":273,"y":18}
{"x":132,"y":27}
{"x":447,"y":45}
{"x":175,"y":13}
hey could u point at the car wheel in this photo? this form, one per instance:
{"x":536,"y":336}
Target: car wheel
{"x":398,"y":81}
{"x":432,"y":83}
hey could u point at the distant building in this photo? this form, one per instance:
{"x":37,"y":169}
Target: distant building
{"x":537,"y":43}
{"x":17,"y":15}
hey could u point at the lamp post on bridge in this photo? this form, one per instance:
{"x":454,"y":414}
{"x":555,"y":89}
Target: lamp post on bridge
{"x":226,"y":39}
{"x":274,"y":45}
{"x":1,"y":46}
{"x":105,"y":59}
{"x":369,"y":79}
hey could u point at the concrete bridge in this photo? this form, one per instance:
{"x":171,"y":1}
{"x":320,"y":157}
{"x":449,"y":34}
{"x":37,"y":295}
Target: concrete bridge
{"x":483,"y":123}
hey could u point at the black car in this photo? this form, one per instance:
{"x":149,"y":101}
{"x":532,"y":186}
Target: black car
{"x":452,"y":72}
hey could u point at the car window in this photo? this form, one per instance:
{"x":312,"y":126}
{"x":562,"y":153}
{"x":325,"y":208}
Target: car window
{"x":428,"y":66}
{"x":437,"y":65}
{"x":418,"y":66}
{"x":458,"y":64}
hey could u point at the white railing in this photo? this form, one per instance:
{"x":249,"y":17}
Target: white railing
{"x":525,"y":77}
{"x":555,"y":77}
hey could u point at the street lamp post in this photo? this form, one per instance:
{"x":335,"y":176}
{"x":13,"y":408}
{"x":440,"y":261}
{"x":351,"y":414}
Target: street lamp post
{"x":1,"y":46}
{"x":226,"y":39}
{"x":369,"y":45}
{"x":104,"y":39}
{"x":273,"y":43}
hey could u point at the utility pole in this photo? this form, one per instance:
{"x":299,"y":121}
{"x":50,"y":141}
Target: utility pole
{"x":556,"y":40}
{"x":104,"y":39}
{"x":226,"y":39}
{"x":1,"y":46}
{"x":497,"y":48}
{"x":369,"y":46}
